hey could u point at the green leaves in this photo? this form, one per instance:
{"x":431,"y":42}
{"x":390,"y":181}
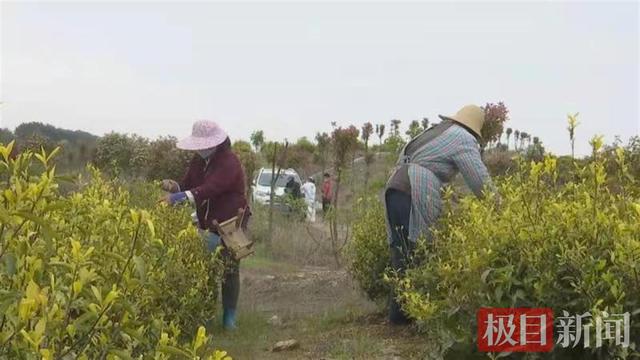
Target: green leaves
{"x":5,"y":151}
{"x":141,"y":268}
{"x":368,"y":250}
{"x":175,"y":351}
{"x":569,"y":244}
{"x":73,"y":281}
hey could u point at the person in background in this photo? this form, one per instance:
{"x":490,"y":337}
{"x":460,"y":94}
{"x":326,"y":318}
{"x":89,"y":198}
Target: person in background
{"x":309,"y":192}
{"x":412,"y":195}
{"x":292,"y":187}
{"x":215,"y":184}
{"x":327,"y":194}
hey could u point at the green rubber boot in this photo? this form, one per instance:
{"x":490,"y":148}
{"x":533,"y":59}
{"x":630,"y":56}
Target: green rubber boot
{"x":229,"y":319}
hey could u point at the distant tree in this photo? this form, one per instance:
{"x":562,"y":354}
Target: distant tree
{"x":277,"y":155}
{"x":257,"y":139}
{"x":323,"y":146}
{"x":301,"y":154}
{"x":380,"y":132}
{"x":367,"y":131}
{"x":495,"y":117}
{"x":344,"y":142}
{"x":393,"y":144}
{"x":304,"y":144}
{"x":120,"y":154}
{"x":359,"y":146}
{"x":535,"y":152}
{"x":166,"y":161}
{"x":414,"y":129}
{"x":6,"y":136}
{"x":83,"y":151}
{"x":34,"y":134}
{"x":425,"y":123}
{"x":268,"y":149}
{"x":54,"y":134}
{"x":572,"y":119}
{"x":523,"y":137}
{"x":516,"y":138}
{"x":35,"y":142}
{"x":395,"y":127}
{"x":509,"y":132}
{"x":140,"y":155}
{"x":249,"y":161}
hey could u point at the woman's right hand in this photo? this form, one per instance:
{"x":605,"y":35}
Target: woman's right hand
{"x":170,"y":186}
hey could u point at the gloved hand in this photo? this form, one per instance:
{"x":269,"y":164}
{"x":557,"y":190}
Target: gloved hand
{"x":170,"y":186}
{"x":174,"y":198}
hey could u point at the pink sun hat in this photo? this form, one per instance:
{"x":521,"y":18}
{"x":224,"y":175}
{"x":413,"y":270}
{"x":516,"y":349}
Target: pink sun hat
{"x":205,"y":134}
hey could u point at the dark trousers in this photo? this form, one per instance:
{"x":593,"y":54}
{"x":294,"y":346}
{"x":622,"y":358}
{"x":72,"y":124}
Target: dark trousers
{"x":230,"y":282}
{"x":231,"y":275}
{"x":398,"y":205}
{"x":326,"y":206}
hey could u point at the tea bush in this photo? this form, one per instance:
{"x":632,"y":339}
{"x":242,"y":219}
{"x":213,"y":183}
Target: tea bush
{"x":570,"y":245}
{"x":368,"y":250}
{"x":91,"y":276}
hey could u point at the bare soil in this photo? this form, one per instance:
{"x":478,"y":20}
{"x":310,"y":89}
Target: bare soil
{"x":320,"y":307}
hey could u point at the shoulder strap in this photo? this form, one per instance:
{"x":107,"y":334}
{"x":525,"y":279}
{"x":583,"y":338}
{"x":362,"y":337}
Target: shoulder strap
{"x":423,"y":139}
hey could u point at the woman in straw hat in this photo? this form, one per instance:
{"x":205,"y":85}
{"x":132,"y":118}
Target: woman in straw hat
{"x":215,"y":184}
{"x":412,"y":195}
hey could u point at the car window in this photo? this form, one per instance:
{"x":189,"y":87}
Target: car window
{"x":265,"y":180}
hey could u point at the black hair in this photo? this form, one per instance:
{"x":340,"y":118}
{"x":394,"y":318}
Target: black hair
{"x":226,"y":144}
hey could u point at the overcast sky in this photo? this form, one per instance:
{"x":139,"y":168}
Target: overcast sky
{"x":291,"y":69}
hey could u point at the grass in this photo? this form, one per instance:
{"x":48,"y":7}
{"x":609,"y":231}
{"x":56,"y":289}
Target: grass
{"x":260,"y":260}
{"x":255,"y":336}
{"x":359,"y":346}
{"x":345,"y":333}
{"x":252,"y":337}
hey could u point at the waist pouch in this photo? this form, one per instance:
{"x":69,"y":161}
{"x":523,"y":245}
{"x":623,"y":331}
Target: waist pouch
{"x":233,"y":236}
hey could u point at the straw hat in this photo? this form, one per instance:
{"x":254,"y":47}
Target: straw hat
{"x":205,"y":134}
{"x":471,"y":116}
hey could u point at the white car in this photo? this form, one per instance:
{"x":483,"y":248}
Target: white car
{"x":262,"y":184}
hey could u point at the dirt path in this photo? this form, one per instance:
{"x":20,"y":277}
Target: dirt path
{"x":319,"y":307}
{"x":298,"y":292}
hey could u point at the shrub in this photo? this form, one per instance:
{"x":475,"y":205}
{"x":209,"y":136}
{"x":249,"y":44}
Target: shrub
{"x":90,"y":276}
{"x":500,"y":163}
{"x":368,"y":250}
{"x":570,"y":247}
{"x":555,"y":240}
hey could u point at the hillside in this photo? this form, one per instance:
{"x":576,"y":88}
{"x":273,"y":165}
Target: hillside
{"x":78,"y":146}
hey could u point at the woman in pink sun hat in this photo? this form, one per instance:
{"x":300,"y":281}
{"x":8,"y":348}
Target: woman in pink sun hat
{"x":215,"y":184}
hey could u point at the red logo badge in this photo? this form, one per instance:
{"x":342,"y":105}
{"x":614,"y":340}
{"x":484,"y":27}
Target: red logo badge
{"x":515,"y":329}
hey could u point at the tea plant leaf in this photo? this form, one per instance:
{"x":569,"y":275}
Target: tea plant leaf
{"x":45,"y":228}
{"x":134,"y":333}
{"x":10,"y":264}
{"x":485,"y":274}
{"x":141,"y":267}
{"x":172,"y":350}
{"x":93,"y":243}
{"x":120,"y":354}
{"x":97,"y":293}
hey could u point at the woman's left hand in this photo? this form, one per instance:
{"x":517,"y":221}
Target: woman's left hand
{"x":165,"y":199}
{"x":172,"y":199}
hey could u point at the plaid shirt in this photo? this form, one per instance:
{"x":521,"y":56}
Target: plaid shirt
{"x":435,"y":164}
